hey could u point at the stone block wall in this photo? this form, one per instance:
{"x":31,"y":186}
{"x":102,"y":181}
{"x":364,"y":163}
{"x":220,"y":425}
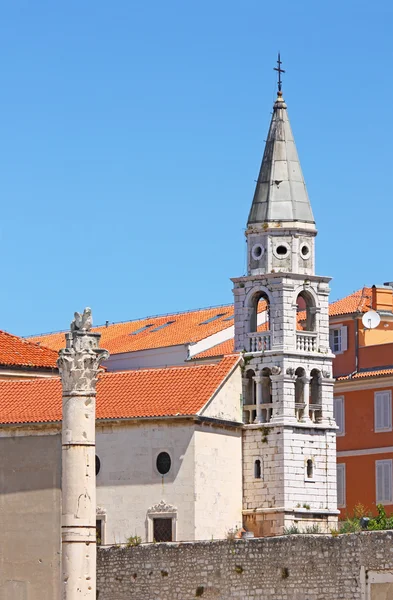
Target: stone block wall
{"x":284,"y":496}
{"x":283,"y":568}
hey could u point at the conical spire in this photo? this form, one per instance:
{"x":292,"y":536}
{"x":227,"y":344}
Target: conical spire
{"x":280,"y":193}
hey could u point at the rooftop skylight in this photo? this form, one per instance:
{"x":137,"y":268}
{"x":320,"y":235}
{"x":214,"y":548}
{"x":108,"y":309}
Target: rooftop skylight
{"x":212,"y":319}
{"x":162,"y":326}
{"x":141,"y":329}
{"x":229,"y":318}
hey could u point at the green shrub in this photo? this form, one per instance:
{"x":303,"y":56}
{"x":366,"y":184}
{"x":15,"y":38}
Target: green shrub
{"x":133,"y":540}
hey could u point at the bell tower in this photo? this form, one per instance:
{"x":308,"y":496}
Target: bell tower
{"x":282,"y":327}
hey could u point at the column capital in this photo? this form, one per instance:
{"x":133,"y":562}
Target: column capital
{"x":79,"y":362}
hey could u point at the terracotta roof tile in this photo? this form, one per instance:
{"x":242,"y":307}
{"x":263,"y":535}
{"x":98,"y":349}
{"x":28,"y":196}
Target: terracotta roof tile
{"x":127,"y":394}
{"x":131,"y":336}
{"x":359,"y":301}
{"x":365,"y":374}
{"x":186,"y":327}
{"x":222,"y":349}
{"x":16,"y":351}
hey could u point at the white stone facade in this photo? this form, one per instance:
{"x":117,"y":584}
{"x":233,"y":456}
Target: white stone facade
{"x":203,"y":485}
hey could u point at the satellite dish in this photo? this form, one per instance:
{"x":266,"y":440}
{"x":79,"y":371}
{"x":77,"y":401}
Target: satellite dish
{"x":371,"y":319}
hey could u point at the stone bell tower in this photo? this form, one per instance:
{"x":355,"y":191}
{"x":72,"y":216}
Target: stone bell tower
{"x":282,"y":326}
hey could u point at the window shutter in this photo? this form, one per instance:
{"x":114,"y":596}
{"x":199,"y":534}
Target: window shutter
{"x":383,"y":411}
{"x":341,"y":484}
{"x":379,"y":475}
{"x":387,"y":481}
{"x":387,"y":405}
{"x":331,"y":339}
{"x":378,"y":412}
{"x":384,"y":481}
{"x":339,"y":413}
{"x":344,"y":338}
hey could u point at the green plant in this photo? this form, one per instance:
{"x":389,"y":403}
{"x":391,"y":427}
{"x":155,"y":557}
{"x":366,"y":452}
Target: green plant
{"x":334,"y":532}
{"x":307,"y":506}
{"x":315,"y":528}
{"x":350,"y":526}
{"x":199,"y":591}
{"x":239,"y":569}
{"x":264,"y":432}
{"x":284,"y":573}
{"x":164,"y":573}
{"x":232,"y":534}
{"x":382,"y":521}
{"x":133,"y":540}
{"x":292,"y":530}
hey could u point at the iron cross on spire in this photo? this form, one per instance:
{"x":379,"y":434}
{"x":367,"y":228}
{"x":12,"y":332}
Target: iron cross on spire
{"x":279,"y":70}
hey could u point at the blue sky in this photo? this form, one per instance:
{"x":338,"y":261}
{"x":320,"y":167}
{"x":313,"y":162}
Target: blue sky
{"x":132,"y":134}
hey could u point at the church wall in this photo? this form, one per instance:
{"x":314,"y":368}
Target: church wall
{"x":218,"y":482}
{"x":148,"y":359}
{"x":226,"y":403}
{"x":297,"y":567}
{"x":128,"y":483}
{"x":29,"y":516}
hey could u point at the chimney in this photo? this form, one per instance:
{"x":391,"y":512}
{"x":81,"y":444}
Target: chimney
{"x":382,"y":298}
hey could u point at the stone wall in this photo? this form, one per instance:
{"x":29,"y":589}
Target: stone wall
{"x":283,"y":568}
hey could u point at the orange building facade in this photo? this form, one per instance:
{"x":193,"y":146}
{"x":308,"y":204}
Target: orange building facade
{"x":363,"y":369}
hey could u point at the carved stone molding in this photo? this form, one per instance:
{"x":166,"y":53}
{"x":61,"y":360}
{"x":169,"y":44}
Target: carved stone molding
{"x":79,"y":362}
{"x":276,"y":370}
{"x":162,"y":507}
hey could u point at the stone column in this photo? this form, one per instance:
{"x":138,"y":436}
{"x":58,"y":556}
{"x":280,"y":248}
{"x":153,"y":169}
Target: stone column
{"x":79,"y":364}
{"x":306,"y":400}
{"x":258,"y":400}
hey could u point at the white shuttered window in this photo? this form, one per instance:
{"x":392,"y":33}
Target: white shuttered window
{"x":341,"y":485}
{"x":383,"y":473}
{"x":339,"y":414}
{"x":383,"y":411}
{"x":338,"y":339}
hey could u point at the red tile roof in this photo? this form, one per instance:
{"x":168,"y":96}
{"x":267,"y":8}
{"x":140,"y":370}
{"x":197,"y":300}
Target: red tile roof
{"x":185,"y":328}
{"x":359,"y":301}
{"x":182,"y":328}
{"x":365,"y":374}
{"x":120,"y":395}
{"x":18,"y":352}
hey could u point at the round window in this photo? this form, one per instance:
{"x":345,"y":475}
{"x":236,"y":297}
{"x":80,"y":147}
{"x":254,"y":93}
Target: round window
{"x":305,"y":251}
{"x":257,"y":251}
{"x":163,"y":463}
{"x":98,"y":465}
{"x":281,"y":251}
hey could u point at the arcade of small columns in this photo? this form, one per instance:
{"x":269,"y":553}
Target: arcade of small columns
{"x":259,"y":397}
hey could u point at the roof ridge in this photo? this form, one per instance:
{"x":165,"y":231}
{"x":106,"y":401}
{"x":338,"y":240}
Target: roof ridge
{"x":180,"y":312}
{"x":26,"y":341}
{"x":168,"y":368}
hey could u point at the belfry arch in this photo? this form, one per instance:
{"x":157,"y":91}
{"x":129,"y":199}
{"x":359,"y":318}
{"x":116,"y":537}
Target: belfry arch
{"x":305,"y":312}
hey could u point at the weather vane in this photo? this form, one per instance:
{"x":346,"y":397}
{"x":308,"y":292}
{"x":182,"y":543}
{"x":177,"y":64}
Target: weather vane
{"x":279,"y":70}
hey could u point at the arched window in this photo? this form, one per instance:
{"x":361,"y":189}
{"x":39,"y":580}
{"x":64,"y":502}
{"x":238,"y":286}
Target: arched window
{"x":260,"y":313}
{"x":257,"y":469}
{"x":305,"y":312}
{"x":300,"y":400}
{"x":309,"y":469}
{"x":315,"y":396}
{"x":249,"y":410}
